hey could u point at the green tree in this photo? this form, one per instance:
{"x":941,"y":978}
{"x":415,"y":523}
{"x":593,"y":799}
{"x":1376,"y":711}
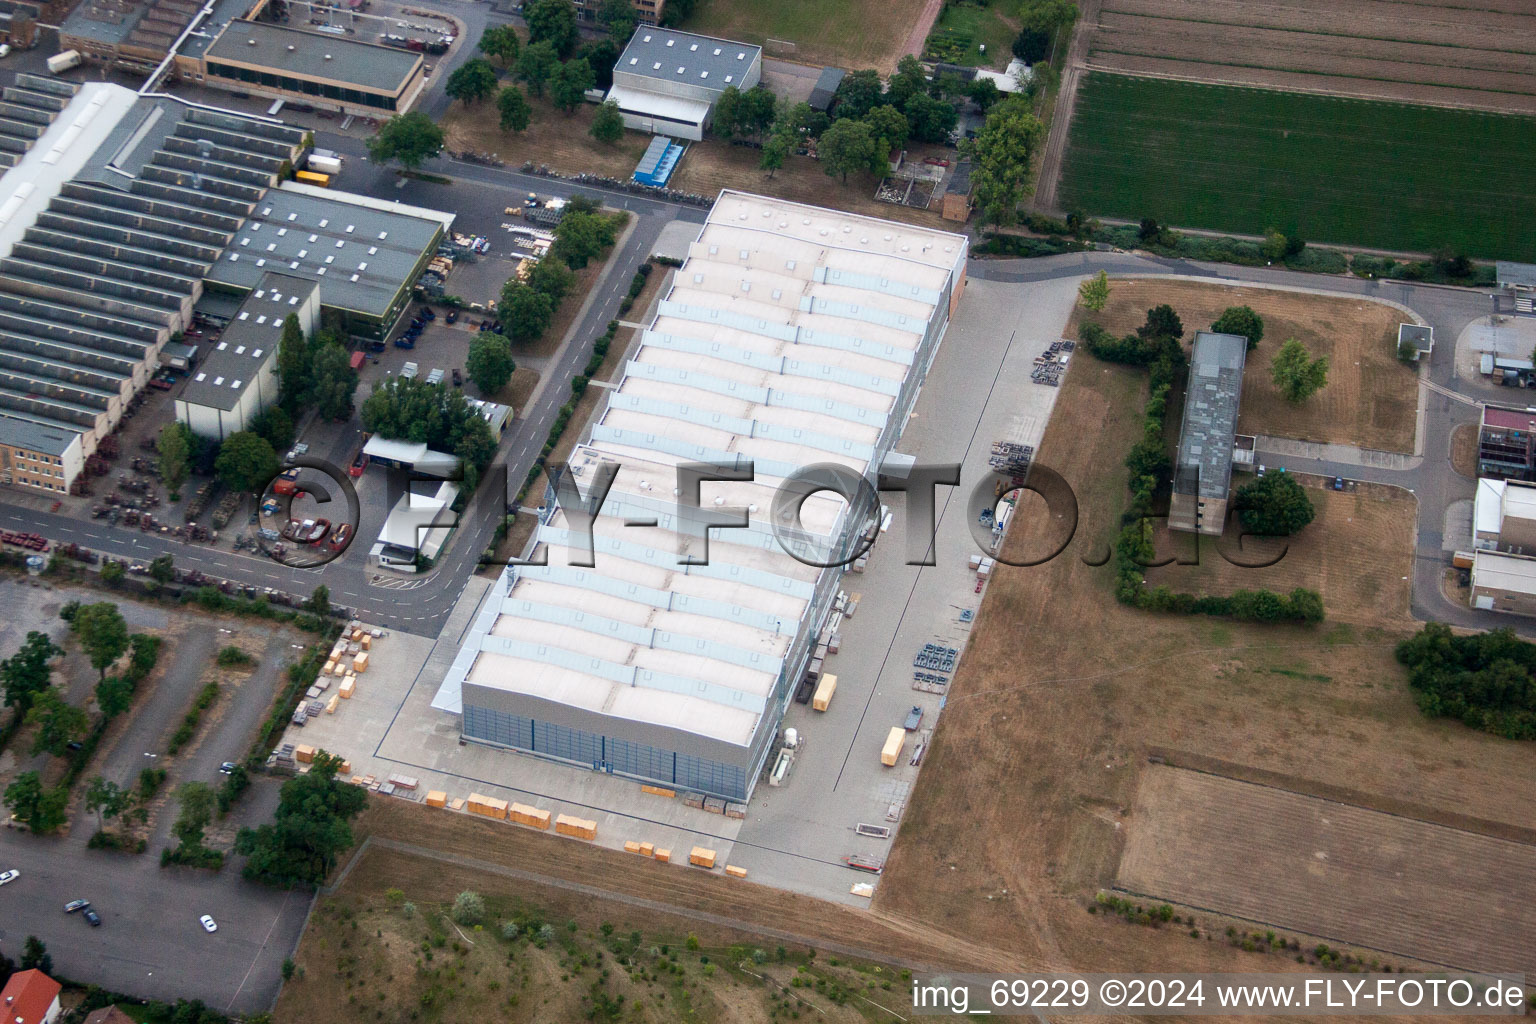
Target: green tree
{"x":196,"y":799}
{"x":1274,"y":505}
{"x":246,"y":461}
{"x":333,"y":382}
{"x":909,"y":79}
{"x":553,"y":22}
{"x":112,"y":573}
{"x":888,"y":126}
{"x":568,"y":84}
{"x":34,"y":955}
{"x":727,"y":110}
{"x":175,"y":456}
{"x":607,"y":123}
{"x":618,"y":17}
{"x":776,"y":149}
{"x":114,"y":695}
{"x":294,"y":360}
{"x":40,"y":809}
{"x":1241,"y":320}
{"x":848,"y":145}
{"x":274,"y":424}
{"x":162,"y":569}
{"x":602,"y":54}
{"x":1049,"y":14}
{"x":930,"y":120}
{"x":1162,"y":322}
{"x":756,"y":110}
{"x":1296,"y":374}
{"x":26,"y":673}
{"x":319,"y":602}
{"x":1094,"y":292}
{"x":58,"y":723}
{"x":984,"y":93}
{"x":513,"y":109}
{"x":490,"y":362}
{"x":1273,"y":246}
{"x":581,"y":237}
{"x":310,"y":830}
{"x":406,"y":140}
{"x":1001,"y":155}
{"x":535,"y":66}
{"x":102,"y":633}
{"x":472,"y":81}
{"x":552,"y":278}
{"x":525,"y":313}
{"x":106,"y":800}
{"x":502,"y":43}
{"x":857,"y":94}
{"x":1032,"y":45}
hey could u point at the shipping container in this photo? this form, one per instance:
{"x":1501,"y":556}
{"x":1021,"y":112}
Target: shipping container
{"x":62,"y":62}
{"x":702,"y":858}
{"x":327,"y":165}
{"x":893,"y":744}
{"x":824,"y":691}
{"x":311,"y":178}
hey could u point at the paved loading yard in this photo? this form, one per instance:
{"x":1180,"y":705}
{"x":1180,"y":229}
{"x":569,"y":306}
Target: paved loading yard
{"x":794,"y":836}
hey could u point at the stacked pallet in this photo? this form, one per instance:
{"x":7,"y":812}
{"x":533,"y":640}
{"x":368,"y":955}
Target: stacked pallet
{"x":701,"y":858}
{"x":735,"y":872}
{"x":488,"y":806}
{"x":304,"y":753}
{"x":658,"y":791}
{"x":735,"y":810}
{"x":522,"y":814}
{"x":714,"y":805}
{"x":360,"y":663}
{"x":347,"y":688}
{"x":437,"y":798}
{"x":581,"y":828}
{"x":664,"y":855}
{"x":694,"y":800}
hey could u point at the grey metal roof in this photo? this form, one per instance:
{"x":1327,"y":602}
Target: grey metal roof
{"x":315,"y":55}
{"x":1210,"y":415}
{"x":1519,"y":275}
{"x":248,"y":343}
{"x":1420,"y":336}
{"x":104,"y":21}
{"x":826,"y":87}
{"x":224,"y":12}
{"x":960,"y":181}
{"x":360,"y":256}
{"x":705,"y":60}
{"x":35,"y":437}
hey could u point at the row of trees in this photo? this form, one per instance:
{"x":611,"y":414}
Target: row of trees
{"x":527,"y":307}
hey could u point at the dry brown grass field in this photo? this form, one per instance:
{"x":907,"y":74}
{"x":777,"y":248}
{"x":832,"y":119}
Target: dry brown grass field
{"x":1475,"y":53}
{"x":561,"y":142}
{"x":850,"y":34}
{"x":1371,"y":399}
{"x":1393,"y":883}
{"x":1021,"y":811}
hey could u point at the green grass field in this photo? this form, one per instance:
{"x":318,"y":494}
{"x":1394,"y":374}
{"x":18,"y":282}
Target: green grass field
{"x":1352,"y":172}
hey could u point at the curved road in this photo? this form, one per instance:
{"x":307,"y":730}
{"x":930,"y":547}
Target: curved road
{"x":423,"y":609}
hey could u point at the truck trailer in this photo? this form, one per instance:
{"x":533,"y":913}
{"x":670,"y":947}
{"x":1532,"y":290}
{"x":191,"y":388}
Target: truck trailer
{"x":62,"y":62}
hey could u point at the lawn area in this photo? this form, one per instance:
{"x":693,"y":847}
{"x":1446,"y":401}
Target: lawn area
{"x":1371,"y":400}
{"x":1384,"y":175}
{"x":971,"y":26}
{"x":853,"y":34}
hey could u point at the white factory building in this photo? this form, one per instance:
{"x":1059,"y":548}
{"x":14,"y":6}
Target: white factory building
{"x":791,"y":336}
{"x":666,"y":82}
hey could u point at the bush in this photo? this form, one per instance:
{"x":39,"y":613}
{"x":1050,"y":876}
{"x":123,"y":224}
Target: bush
{"x":150,"y":781}
{"x":231,"y":656}
{"x":468,"y":908}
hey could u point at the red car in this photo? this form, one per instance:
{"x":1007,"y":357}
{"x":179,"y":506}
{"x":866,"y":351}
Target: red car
{"x":341,"y":537}
{"x":309,"y":531}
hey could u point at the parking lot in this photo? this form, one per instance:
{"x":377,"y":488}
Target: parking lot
{"x":149,"y":933}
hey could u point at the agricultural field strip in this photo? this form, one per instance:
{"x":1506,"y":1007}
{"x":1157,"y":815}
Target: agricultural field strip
{"x":1246,"y":159}
{"x":1331,"y":870}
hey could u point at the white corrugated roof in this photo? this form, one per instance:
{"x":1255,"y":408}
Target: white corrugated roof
{"x":1494,"y":570}
{"x":784,"y":340}
{"x":656,"y":104}
{"x":1487,"y":508}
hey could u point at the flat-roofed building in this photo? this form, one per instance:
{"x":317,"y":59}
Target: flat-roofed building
{"x":666,"y":82}
{"x":1504,"y":516}
{"x":1504,"y":582}
{"x":647,"y":11}
{"x":328,"y":71}
{"x":1202,"y":475}
{"x":237,"y":376}
{"x":1506,"y":443}
{"x":791,"y":336}
{"x":38,"y":455}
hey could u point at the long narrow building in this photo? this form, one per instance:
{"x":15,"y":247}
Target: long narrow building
{"x":791,"y":336}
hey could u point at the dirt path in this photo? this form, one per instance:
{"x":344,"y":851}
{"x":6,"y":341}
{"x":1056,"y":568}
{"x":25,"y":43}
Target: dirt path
{"x":922,"y":27}
{"x":1066,"y":101}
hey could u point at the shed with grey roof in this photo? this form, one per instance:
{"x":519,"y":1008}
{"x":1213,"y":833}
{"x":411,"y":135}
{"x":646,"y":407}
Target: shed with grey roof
{"x":333,"y":71}
{"x":667,"y":82}
{"x":825,"y":89}
{"x":1202,"y":476}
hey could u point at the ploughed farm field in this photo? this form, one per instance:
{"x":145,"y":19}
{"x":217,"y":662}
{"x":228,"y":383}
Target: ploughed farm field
{"x":1353,"y":172}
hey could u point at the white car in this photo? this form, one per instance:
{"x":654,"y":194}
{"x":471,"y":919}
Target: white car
{"x":5,"y":50}
{"x":9,"y":876}
{"x":208,"y":925}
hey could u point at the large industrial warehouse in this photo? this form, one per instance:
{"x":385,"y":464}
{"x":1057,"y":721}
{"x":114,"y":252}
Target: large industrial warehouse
{"x":791,"y":336}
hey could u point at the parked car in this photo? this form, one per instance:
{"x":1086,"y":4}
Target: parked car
{"x":302,"y":448}
{"x":7,"y":877}
{"x":1338,"y":483}
{"x":428,"y":312}
{"x":92,"y":918}
{"x":207,"y":923}
{"x":914,"y":718}
{"x":74,"y":905}
{"x":458,"y":378}
{"x":405,"y":343}
{"x":227,"y":767}
{"x":452,"y":317}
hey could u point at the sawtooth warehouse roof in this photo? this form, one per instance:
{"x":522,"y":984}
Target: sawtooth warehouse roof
{"x":783,"y":341}
{"x":315,"y":56}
